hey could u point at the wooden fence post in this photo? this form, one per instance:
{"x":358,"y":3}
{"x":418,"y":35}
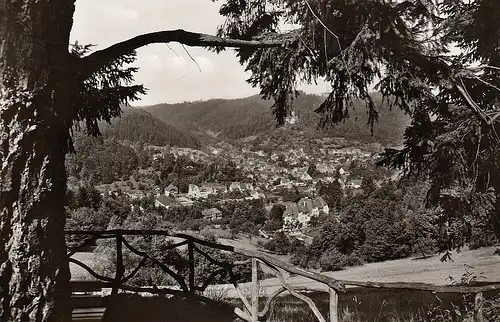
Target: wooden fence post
{"x":478,"y":307}
{"x":334,"y":305}
{"x":255,"y":290}
{"x":120,"y":268}
{"x":191,"y":267}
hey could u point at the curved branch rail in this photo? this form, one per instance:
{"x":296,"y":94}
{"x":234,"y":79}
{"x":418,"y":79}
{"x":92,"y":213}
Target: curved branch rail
{"x":269,"y":301}
{"x":132,"y":274}
{"x":302,"y":297}
{"x":91,"y":272}
{"x":250,"y":312}
{"x":210,"y":278}
{"x":178,"y":278}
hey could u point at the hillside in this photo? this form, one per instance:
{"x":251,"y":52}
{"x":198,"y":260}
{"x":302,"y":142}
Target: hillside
{"x":137,"y":125}
{"x":114,"y":156}
{"x":100,"y":159}
{"x":240,"y":118}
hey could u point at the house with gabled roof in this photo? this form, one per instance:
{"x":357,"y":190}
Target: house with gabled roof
{"x":212,"y":214}
{"x":291,"y":218}
{"x":235,"y":186}
{"x":304,"y":176}
{"x":285,"y":183}
{"x":165,"y":202}
{"x":171,"y":190}
{"x":321,"y":204}
{"x":246,"y":186}
{"x":356,"y":184}
{"x":299,"y":215}
{"x":307,"y":209}
{"x":212,"y":188}
{"x":241,"y":186}
{"x":194,"y":191}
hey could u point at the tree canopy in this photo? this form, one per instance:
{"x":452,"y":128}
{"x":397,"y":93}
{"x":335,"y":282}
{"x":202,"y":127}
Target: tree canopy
{"x":436,"y":60}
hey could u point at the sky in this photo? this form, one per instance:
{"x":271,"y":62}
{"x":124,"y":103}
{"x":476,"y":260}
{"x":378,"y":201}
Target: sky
{"x":168,"y":71}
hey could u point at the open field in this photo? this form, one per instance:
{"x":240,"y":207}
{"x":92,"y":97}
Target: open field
{"x":428,"y":270}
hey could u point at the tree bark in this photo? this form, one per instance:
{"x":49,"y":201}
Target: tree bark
{"x":35,"y":115}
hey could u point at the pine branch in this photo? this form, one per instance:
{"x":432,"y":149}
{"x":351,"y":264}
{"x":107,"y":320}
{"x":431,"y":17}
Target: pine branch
{"x":100,"y":58}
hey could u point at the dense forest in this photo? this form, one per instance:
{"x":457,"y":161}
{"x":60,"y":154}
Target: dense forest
{"x":116,"y":154}
{"x":240,"y":118}
{"x":138,"y":126}
{"x":101,"y":159}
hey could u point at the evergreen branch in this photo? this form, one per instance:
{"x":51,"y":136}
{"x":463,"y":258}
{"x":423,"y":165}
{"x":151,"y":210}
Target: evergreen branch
{"x":320,"y":21}
{"x":100,"y":58}
{"x":336,"y":38}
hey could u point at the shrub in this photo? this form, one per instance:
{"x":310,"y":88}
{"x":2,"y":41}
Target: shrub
{"x":482,"y":237}
{"x":300,"y":258}
{"x":353,"y":259}
{"x":83,"y":219}
{"x":332,"y":260}
{"x":224,"y":233}
{"x":280,"y":244}
{"x":208,"y":235}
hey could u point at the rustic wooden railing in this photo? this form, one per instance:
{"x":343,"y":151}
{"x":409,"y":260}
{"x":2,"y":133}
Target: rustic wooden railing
{"x":250,"y":311}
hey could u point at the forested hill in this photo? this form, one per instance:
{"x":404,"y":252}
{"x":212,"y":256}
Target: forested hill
{"x":137,"y":125}
{"x":115,"y":155}
{"x":239,"y":118}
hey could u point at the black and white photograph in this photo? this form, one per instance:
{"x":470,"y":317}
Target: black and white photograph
{"x":250,"y":160}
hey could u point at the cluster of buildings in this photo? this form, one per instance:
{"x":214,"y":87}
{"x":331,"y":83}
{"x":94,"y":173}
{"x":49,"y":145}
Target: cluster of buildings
{"x":172,"y":197}
{"x":266,"y":176}
{"x":298,"y":215}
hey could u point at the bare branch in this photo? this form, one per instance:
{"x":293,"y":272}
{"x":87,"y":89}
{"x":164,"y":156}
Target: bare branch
{"x":100,"y":58}
{"x":192,"y":58}
{"x":320,"y":21}
{"x":461,"y":88}
{"x":490,"y":67}
{"x":487,"y":83}
{"x":495,"y":117}
{"x":176,"y":54}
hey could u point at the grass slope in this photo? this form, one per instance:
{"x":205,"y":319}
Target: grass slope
{"x":429,"y":270}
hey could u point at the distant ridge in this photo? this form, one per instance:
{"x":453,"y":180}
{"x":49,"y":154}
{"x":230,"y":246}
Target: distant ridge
{"x":240,"y":118}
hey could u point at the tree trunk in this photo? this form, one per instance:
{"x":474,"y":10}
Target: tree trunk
{"x":35,"y":115}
